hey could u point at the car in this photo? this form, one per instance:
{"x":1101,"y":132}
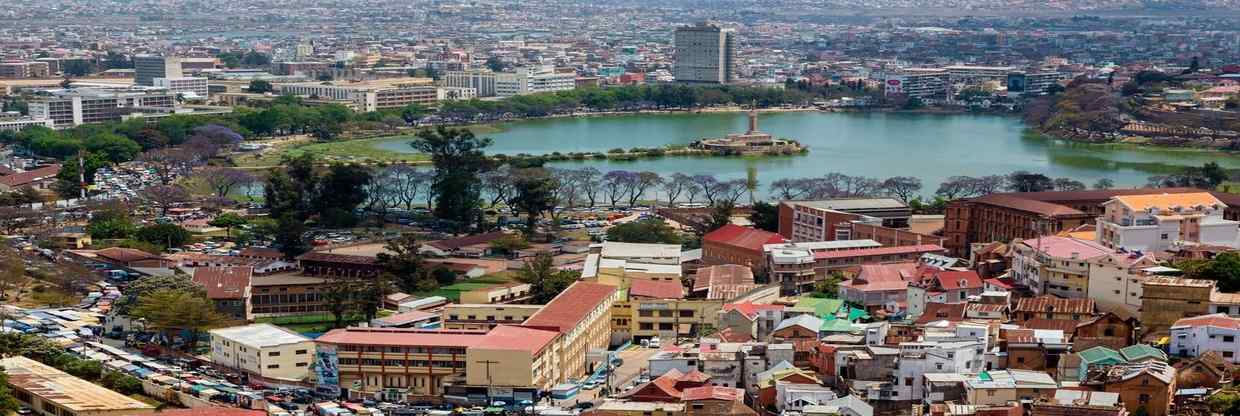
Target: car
{"x":25,"y":411}
{"x":584,"y":405}
{"x":590,"y":386}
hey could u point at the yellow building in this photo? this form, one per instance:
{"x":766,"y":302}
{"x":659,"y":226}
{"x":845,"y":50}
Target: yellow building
{"x":513,"y":356}
{"x":505,"y":293}
{"x":617,"y":264}
{"x":582,"y":316}
{"x":482,"y":317}
{"x":51,"y":392}
{"x":1165,"y":300}
{"x":402,"y":363}
{"x":643,"y":318}
{"x":265,"y":350}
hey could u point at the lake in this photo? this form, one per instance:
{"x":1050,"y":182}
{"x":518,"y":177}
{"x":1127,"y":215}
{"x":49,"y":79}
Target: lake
{"x":880,"y":145}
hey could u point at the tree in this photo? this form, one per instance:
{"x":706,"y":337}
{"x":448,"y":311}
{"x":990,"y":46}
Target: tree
{"x":260,"y":86}
{"x":413,"y":112}
{"x":545,"y":280}
{"x":403,"y":262}
{"x":168,"y":310}
{"x":720,"y":215}
{"x":224,"y":180}
{"x":765,"y":216}
{"x":1068,"y":184}
{"x":829,"y":287}
{"x":110,"y":222}
{"x":228,"y":221}
{"x":165,"y":197}
{"x":1224,"y":268}
{"x":588,"y":179}
{"x":616,"y":185}
{"x":1104,"y":183}
{"x":674,"y":186}
{"x":168,"y":163}
{"x":902,"y":187}
{"x":1023,"y":181}
{"x":509,"y":244}
{"x":650,"y":230}
{"x":289,"y":236}
{"x":165,"y":235}
{"x":458,"y":158}
{"x":640,"y":183}
{"x":68,"y":181}
{"x":707,"y":185}
{"x":12,"y":273}
{"x":8,"y":403}
{"x":340,"y":191}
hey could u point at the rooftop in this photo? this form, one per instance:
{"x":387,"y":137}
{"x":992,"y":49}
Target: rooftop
{"x":845,"y":204}
{"x":570,"y":307}
{"x":1047,"y":303}
{"x":724,"y":281}
{"x":516,"y":338}
{"x":657,"y":289}
{"x":402,"y":337}
{"x":639,"y":250}
{"x":1167,"y":201}
{"x":1067,"y":247}
{"x":72,"y":393}
{"x":748,"y":238}
{"x":259,"y":335}
{"x":878,"y":251}
{"x":224,"y":282}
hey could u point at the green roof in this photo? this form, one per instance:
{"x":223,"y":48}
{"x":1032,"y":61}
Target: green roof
{"x":824,"y":308}
{"x":1101,"y":355}
{"x":1142,"y":351}
{"x":838,"y":325}
{"x":854,"y":314}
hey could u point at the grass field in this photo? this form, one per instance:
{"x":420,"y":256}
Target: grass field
{"x":356,"y":150}
{"x":322,"y":322}
{"x":453,"y":292}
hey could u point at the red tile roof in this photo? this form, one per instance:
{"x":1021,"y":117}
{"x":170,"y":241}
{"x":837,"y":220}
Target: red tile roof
{"x":730,"y":394}
{"x":750,"y":310}
{"x":748,"y":238}
{"x":1047,"y":303}
{"x":1022,"y":203}
{"x":954,"y":280}
{"x":124,"y":255}
{"x":1217,"y":320}
{"x":230,"y":282}
{"x":516,"y":338}
{"x":1002,"y":283}
{"x":402,"y":337}
{"x":725,"y":281}
{"x":730,"y":335}
{"x":30,"y":176}
{"x":1067,"y":247}
{"x":879,"y":251}
{"x":571,"y":306}
{"x":953,"y":312}
{"x":658,"y":289}
{"x":213,"y":411}
{"x":337,"y":258}
{"x":469,"y":240}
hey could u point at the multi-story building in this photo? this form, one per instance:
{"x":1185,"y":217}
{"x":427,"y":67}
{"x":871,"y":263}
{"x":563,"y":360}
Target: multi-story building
{"x":1034,"y":83}
{"x":517,"y":358}
{"x":976,"y":75}
{"x":1166,"y":300}
{"x":1001,"y":387}
{"x":456,"y":93}
{"x":68,"y":108}
{"x":482,"y":81}
{"x":827,"y":220}
{"x":263,"y":350}
{"x":531,"y":80}
{"x":287,"y":294}
{"x":34,"y":69}
{"x":641,"y":317}
{"x":402,"y":364}
{"x":921,"y":83}
{"x":148,"y":67}
{"x":1115,"y":280}
{"x":582,"y":316}
{"x":733,"y":244}
{"x":1008,"y":216}
{"x":299,"y":68}
{"x":22,"y":123}
{"x":1156,"y":222}
{"x":793,"y":268}
{"x":367,"y":96}
{"x":482,"y":317}
{"x":705,"y":54}
{"x":616,"y":263}
{"x":1055,"y":265}
{"x":187,"y":86}
{"x":916,"y":359}
{"x":1191,"y":337}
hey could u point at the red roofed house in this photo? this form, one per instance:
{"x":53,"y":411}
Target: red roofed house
{"x":942,"y":286}
{"x":725,"y":281}
{"x":1050,"y":307}
{"x":667,"y":388}
{"x":228,"y":287}
{"x":951,"y":312}
{"x":39,"y":178}
{"x":656,"y":289}
{"x":582,"y":314}
{"x":756,"y":320}
{"x":128,"y":257}
{"x":716,"y":400}
{"x":733,"y":244}
{"x":1192,"y":337}
{"x":879,"y":285}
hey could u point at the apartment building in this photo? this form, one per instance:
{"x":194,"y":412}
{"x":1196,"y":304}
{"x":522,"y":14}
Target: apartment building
{"x":916,"y":359}
{"x":526,"y":81}
{"x":148,"y":67}
{"x":977,"y":75}
{"x":287,"y":294}
{"x":923,"y":83}
{"x":195,"y":87}
{"x":402,"y":364}
{"x":481,"y":81}
{"x":1034,"y":83}
{"x":1115,"y":280}
{"x":1158,"y":221}
{"x":1191,"y":337}
{"x":1166,"y":300}
{"x":516,"y":357}
{"x":22,"y":123}
{"x":18,"y":70}
{"x":367,"y":95}
{"x":263,"y":350}
{"x":582,"y":316}
{"x":483,"y":317}
{"x":705,"y":54}
{"x":1055,"y":265}
{"x":826,"y":220}
{"x":68,"y":108}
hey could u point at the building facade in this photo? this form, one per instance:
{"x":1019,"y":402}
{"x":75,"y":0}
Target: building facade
{"x":148,"y":67}
{"x":263,"y":350}
{"x":705,"y":54}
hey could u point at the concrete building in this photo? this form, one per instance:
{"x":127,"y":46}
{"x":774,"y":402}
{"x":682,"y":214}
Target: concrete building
{"x":809,"y":221}
{"x":18,"y":70}
{"x":1022,"y":83}
{"x":1157,"y":221}
{"x":483,"y":317}
{"x":367,"y":95}
{"x":617,"y":263}
{"x":51,"y":392}
{"x":975,"y":75}
{"x":1001,"y":387}
{"x":516,"y":357}
{"x":403,"y":364}
{"x":148,"y":67}
{"x":705,"y":54}
{"x":922,"y":83}
{"x":532,"y":80}
{"x":263,"y":350}
{"x":68,"y":108}
{"x":22,"y":123}
{"x":189,"y":87}
{"x":582,"y":316}
{"x":1166,"y":300}
{"x":481,"y":81}
{"x":732,"y":244}
{"x":1055,"y":265}
{"x":1191,"y":337}
{"x":1115,"y":280}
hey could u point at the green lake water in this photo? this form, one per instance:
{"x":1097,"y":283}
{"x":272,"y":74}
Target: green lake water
{"x":880,"y":145}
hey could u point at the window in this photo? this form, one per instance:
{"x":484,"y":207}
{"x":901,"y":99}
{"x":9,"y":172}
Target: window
{"x":273,"y":354}
{"x":1020,"y":360}
{"x":302,"y":364}
{"x":273,"y":366}
{"x":908,"y":381}
{"x":1229,"y":338}
{"x":1110,"y":332}
{"x":1143,"y":398}
{"x":301,"y":352}
{"x":1163,"y":236}
{"x":1228,"y":354}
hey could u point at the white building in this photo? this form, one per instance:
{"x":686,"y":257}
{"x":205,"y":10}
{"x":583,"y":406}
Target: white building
{"x":705,"y":53}
{"x":264,"y":350}
{"x":20,"y":123}
{"x":918,"y":82}
{"x":795,"y":396}
{"x":68,"y":108}
{"x":195,"y":87}
{"x":148,"y":67}
{"x":1157,"y":222}
{"x":1191,"y":337}
{"x":1115,"y":280}
{"x":482,"y":81}
{"x":367,"y":96}
{"x":532,"y":81}
{"x":916,"y":359}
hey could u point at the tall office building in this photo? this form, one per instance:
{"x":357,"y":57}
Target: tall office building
{"x":148,"y":67}
{"x":705,"y":54}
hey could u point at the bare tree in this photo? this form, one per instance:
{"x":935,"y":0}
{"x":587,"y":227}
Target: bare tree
{"x":617,"y":184}
{"x":640,"y":183}
{"x":732,"y":191}
{"x":498,"y":183}
{"x":707,"y":185}
{"x":902,"y":187}
{"x":407,"y":183}
{"x":675,"y":185}
{"x":588,"y":180}
{"x":165,"y":196}
{"x":224,"y":180}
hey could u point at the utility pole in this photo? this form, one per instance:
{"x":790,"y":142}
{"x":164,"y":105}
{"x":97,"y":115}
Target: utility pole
{"x":82,"y":172}
{"x":488,"y":364}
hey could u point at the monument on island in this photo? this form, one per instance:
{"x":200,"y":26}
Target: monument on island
{"x":750,"y":142}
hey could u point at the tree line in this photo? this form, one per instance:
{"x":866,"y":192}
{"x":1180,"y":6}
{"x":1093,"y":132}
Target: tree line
{"x":627,"y":98}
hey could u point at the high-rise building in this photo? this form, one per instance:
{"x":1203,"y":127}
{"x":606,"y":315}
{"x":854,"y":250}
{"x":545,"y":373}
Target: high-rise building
{"x":148,"y":67}
{"x":706,"y":54}
{"x":68,"y":108}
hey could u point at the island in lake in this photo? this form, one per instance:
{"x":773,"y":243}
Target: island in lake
{"x":751,"y":142}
